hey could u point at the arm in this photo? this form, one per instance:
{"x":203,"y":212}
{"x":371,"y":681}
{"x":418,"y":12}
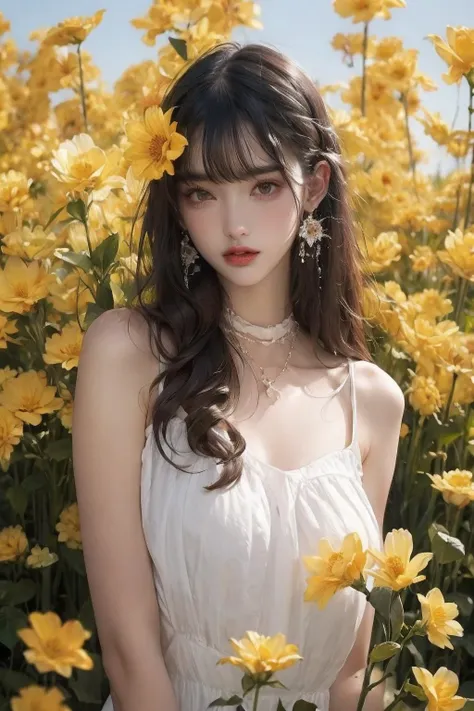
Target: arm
{"x":108,"y":437}
{"x":381,"y":404}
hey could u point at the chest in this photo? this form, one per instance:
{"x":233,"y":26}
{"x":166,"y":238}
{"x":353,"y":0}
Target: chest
{"x":296,"y":427}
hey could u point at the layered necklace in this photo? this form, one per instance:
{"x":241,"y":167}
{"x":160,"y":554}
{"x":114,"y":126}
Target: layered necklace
{"x":287,"y":330}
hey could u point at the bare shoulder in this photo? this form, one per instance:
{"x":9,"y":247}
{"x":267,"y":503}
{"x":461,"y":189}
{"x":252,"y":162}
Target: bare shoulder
{"x":378,"y":391}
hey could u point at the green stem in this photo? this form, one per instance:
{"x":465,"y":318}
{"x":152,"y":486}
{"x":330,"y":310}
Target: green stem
{"x":398,"y":697}
{"x":82,"y":89}
{"x":460,"y":300}
{"x":467,"y":217}
{"x":255,"y":698}
{"x":364,"y":68}
{"x":411,"y":154}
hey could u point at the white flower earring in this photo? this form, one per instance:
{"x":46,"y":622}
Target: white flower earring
{"x":311,"y":232}
{"x":189,"y":255}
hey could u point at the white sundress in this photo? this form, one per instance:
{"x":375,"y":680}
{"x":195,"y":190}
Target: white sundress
{"x":230,"y":561}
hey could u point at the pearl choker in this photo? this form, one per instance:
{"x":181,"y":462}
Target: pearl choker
{"x":266,"y":335}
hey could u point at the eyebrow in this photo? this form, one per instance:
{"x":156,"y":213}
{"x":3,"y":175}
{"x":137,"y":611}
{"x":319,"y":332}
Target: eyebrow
{"x":256,"y":170}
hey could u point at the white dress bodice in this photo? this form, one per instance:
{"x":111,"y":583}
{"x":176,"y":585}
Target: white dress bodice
{"x":229,"y":561}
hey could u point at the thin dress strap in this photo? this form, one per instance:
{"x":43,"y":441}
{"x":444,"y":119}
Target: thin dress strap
{"x":353,"y":444}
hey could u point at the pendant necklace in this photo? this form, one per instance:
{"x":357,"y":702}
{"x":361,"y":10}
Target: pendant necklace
{"x":265,"y":335}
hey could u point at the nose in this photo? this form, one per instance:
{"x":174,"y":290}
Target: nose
{"x":237,"y":233}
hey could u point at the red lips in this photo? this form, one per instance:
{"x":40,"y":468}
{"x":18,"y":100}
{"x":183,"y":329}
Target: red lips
{"x":240,"y":250}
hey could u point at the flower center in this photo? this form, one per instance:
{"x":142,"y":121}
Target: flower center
{"x":336,"y":564}
{"x":438,"y":616}
{"x":53,"y":649}
{"x":156,"y":147}
{"x":395,"y":565}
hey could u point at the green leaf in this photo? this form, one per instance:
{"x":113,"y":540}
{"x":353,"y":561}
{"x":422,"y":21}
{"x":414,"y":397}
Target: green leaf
{"x":59,"y":449}
{"x":88,"y":684}
{"x":464,"y":602}
{"x":415,"y":691}
{"x":248,"y":683}
{"x":14,"y":680}
{"x":233,"y":701}
{"x":280,"y":706}
{"x":18,"y":499}
{"x":77,"y":210}
{"x":78,"y":259}
{"x":16,"y":593}
{"x":446,"y":548}
{"x":448,"y":438}
{"x":303,"y":705}
{"x":276,"y":684}
{"x":105,"y":297}
{"x":74,"y":558}
{"x":11,"y":620}
{"x":53,"y":217}
{"x":380,"y":598}
{"x":383,"y":651}
{"x":34,"y":482}
{"x":105,"y":252}
{"x":86,"y":616}
{"x":180,"y":46}
{"x":396,"y":616}
{"x":467,"y":641}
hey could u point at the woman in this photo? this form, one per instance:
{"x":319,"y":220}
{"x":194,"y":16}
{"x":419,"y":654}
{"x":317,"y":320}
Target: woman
{"x":269,"y":426}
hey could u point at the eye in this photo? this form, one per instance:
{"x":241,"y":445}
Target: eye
{"x":267,"y":183}
{"x":188,"y":193}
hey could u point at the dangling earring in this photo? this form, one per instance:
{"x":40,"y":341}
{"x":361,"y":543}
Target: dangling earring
{"x":311,"y":232}
{"x":189,"y":255}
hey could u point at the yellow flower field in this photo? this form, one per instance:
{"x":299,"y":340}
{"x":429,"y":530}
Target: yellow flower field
{"x":71,"y":177}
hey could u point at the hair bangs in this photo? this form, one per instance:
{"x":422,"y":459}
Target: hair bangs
{"x":226,"y":137}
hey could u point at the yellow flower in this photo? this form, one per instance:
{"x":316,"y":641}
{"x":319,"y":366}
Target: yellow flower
{"x":459,"y":252}
{"x":352,"y":43}
{"x":54,"y":646}
{"x":440,"y":689}
{"x":456,"y":486}
{"x":36,"y":698}
{"x":74,"y":30}
{"x":422,"y":258}
{"x":81,"y":165}
{"x":424,"y":396}
{"x":7,"y":329}
{"x":404,"y":430}
{"x":382,"y":251}
{"x":14,"y":191}
{"x":41,"y":557}
{"x":30,"y":243}
{"x":396,"y":570}
{"x":259,"y":654}
{"x":64,"y":347}
{"x":69,"y":527}
{"x":387,"y":47}
{"x":154,"y":144}
{"x":28,"y":396}
{"x":13,"y":543}
{"x":438,"y":616}
{"x":435,"y":127}
{"x":333,"y":570}
{"x":432,"y":303}
{"x":11,"y":431}
{"x":457,"y":52}
{"x":22,"y":285}
{"x":160,"y":18}
{"x":359,"y":10}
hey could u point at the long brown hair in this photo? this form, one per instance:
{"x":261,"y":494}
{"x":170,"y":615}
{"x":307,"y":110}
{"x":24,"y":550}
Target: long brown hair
{"x":228,"y":88}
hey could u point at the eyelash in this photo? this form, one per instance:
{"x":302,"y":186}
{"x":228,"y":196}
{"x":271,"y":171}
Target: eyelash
{"x":195,"y":189}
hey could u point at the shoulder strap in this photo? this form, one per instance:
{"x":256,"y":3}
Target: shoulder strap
{"x":353,"y":404}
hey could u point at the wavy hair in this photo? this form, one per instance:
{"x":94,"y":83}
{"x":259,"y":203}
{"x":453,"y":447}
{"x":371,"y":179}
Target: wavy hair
{"x":228,"y":88}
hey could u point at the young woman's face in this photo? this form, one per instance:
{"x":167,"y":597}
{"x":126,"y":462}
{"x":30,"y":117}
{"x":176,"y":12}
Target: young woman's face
{"x":258,"y":213}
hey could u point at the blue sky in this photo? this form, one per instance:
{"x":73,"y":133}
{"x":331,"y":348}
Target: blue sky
{"x":302,"y":28}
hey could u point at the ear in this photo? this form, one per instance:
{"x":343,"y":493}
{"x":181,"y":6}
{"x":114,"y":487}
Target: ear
{"x":316,"y":185}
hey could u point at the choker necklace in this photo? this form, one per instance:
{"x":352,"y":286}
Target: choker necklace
{"x":266,"y":335}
